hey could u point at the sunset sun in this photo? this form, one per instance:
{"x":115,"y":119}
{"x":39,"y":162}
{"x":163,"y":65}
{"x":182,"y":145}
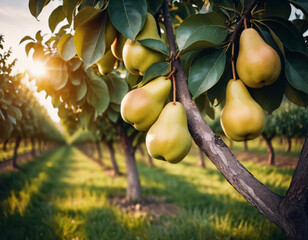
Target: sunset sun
{"x":38,"y":68}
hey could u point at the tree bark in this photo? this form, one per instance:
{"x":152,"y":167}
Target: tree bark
{"x":270,"y":150}
{"x":99,"y":152}
{"x":245,"y":146}
{"x":289,"y":144}
{"x":113,"y":159}
{"x":5,"y":144}
{"x":133,"y":189}
{"x":238,"y":176}
{"x":201,"y":159}
{"x":17,"y":143}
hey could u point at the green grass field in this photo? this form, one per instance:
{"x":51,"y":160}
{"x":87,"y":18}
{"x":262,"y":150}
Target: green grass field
{"x":64,"y":195}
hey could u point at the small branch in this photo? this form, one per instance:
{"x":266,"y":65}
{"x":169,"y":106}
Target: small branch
{"x":246,"y":14}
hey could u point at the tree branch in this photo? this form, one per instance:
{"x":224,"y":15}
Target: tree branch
{"x":239,"y":177}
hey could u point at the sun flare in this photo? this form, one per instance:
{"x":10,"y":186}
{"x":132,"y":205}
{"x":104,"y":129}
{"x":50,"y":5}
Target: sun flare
{"x":38,"y":68}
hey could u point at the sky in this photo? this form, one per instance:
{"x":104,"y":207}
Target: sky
{"x":16,"y":22}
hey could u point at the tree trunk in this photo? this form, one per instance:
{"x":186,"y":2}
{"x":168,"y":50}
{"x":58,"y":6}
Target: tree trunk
{"x":289,"y":144}
{"x":150,"y":162}
{"x":17,"y":142}
{"x":201,"y":159}
{"x":133,"y":189}
{"x":270,"y":150}
{"x":113,"y":159}
{"x":5,"y":144}
{"x":99,"y":152}
{"x":33,"y":147}
{"x":245,"y":146}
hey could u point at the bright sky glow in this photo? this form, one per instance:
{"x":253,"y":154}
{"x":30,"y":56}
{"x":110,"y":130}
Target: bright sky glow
{"x":38,"y":69}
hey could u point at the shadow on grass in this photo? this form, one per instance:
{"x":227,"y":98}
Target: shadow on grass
{"x":35,"y":220}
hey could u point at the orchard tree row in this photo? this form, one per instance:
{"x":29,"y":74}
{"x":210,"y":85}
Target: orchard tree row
{"x":21,"y":116}
{"x":161,"y":66}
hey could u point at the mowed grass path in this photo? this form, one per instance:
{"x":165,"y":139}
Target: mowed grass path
{"x":64,"y":195}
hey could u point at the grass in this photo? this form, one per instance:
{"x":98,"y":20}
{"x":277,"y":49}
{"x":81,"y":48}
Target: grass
{"x":64,"y":195}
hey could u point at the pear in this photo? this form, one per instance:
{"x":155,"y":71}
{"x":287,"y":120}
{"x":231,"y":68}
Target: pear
{"x":242,"y":117}
{"x":169,"y":139}
{"x":106,"y":63}
{"x":142,"y":106}
{"x":117,"y":46}
{"x":138,"y":58}
{"x":258,"y":64}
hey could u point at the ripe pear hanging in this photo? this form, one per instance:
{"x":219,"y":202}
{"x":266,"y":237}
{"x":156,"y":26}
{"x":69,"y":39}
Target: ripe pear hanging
{"x":137,"y":58}
{"x":106,"y":63}
{"x":169,"y":139}
{"x":142,"y":106}
{"x":242,"y":117}
{"x":258,"y":64}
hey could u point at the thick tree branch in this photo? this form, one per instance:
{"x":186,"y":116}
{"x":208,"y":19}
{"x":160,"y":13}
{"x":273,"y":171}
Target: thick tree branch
{"x":239,"y":177}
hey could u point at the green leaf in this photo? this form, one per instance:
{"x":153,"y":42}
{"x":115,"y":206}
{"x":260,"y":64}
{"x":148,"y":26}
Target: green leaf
{"x":66,"y":47}
{"x":77,"y":76}
{"x":29,"y":46}
{"x":297,"y":71}
{"x":86,"y":117}
{"x":55,"y":18}
{"x":89,"y":39}
{"x":38,"y":36}
{"x":84,"y":15}
{"x":75,"y":63}
{"x":15,"y":112}
{"x":36,"y":6}
{"x":69,"y":7}
{"x":155,"y":70}
{"x":113,"y":115}
{"x":133,"y":79}
{"x":128,"y":16}
{"x":279,"y":8}
{"x":295,"y":96}
{"x":288,"y":34}
{"x":25,"y":39}
{"x":98,"y":94}
{"x":206,"y":71}
{"x":153,"y":5}
{"x":156,"y":45}
{"x":57,"y":75}
{"x":117,"y":88}
{"x":6,"y":129}
{"x":270,"y":97}
{"x":205,"y":37}
{"x":301,"y":24}
{"x":81,"y":90}
{"x":192,"y":23}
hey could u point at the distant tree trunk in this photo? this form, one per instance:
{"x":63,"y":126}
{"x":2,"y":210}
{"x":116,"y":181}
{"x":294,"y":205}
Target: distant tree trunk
{"x":150,"y":162}
{"x":245,"y":146}
{"x":201,"y":159}
{"x":33,"y":147}
{"x":5,"y":144}
{"x":289,"y":144}
{"x":133,"y":189}
{"x":17,"y":143}
{"x":99,"y":152}
{"x":270,"y":150}
{"x":113,"y":159}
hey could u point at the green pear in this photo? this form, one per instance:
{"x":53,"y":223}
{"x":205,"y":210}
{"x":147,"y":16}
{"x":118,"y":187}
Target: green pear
{"x":142,"y":106}
{"x":138,"y":58}
{"x":242,"y":117}
{"x":169,"y":139}
{"x":117,"y":46}
{"x":258,"y":64}
{"x":106,"y":63}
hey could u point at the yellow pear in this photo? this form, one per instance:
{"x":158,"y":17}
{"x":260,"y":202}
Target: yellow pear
{"x":106,"y":63}
{"x":110,"y":34}
{"x":258,"y":64}
{"x":117,"y":46}
{"x":142,"y":106}
{"x":169,"y":139}
{"x":242,"y":117}
{"x":137,"y":58}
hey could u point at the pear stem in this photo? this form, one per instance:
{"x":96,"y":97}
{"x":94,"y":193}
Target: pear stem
{"x":174,"y":89}
{"x":245,"y":23}
{"x":232,"y":62}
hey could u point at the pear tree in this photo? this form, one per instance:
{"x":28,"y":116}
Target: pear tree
{"x":199,"y":46}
